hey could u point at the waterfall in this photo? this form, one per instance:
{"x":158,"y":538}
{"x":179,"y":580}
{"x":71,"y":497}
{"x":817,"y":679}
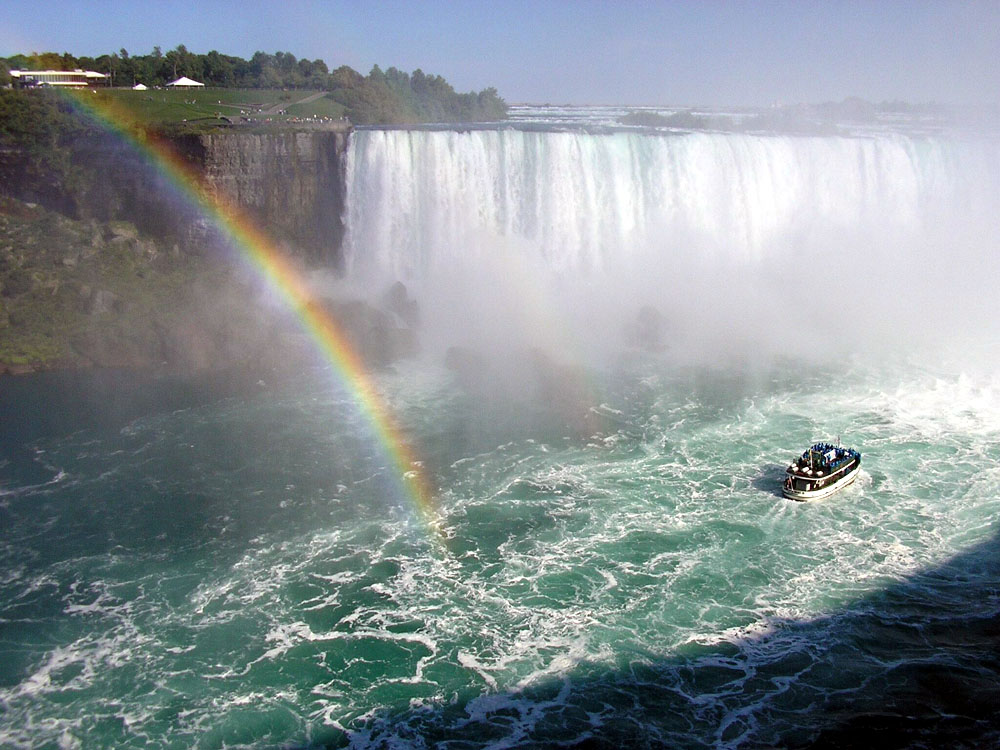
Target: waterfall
{"x":767,"y":226}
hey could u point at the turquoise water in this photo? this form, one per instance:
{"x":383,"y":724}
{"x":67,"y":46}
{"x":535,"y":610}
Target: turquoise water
{"x":618,"y":567}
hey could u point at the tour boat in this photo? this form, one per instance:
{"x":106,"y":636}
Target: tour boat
{"x":822,"y":470}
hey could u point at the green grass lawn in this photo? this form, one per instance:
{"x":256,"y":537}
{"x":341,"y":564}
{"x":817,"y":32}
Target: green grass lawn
{"x":323,"y":107}
{"x":174,"y":106}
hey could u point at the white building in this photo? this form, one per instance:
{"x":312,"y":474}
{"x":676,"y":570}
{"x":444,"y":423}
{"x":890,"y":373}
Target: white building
{"x":65,"y":78}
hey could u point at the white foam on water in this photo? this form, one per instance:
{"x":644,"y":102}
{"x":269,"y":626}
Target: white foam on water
{"x":609,"y":543}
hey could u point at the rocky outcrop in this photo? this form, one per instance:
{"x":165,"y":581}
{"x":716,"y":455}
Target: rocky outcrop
{"x":648,"y":330}
{"x":378,"y":333}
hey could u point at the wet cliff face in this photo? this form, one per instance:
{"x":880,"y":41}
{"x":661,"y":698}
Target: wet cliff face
{"x":291,"y":184}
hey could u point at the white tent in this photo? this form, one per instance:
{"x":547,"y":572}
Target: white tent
{"x":185,"y":82}
{"x":139,"y":87}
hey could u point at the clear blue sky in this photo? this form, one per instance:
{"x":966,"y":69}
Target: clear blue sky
{"x":582,"y":51}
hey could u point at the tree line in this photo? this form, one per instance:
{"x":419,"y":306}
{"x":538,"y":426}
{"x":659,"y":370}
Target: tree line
{"x":385,"y":97}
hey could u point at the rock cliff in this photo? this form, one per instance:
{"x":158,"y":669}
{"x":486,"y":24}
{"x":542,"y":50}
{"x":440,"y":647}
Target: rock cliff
{"x":289,"y":182}
{"x":292,"y":183}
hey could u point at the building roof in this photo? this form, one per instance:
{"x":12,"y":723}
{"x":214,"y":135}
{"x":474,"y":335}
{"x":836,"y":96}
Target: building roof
{"x":66,"y":77}
{"x":185,"y":81}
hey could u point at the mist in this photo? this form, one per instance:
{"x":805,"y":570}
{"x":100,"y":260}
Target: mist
{"x":744,"y":249}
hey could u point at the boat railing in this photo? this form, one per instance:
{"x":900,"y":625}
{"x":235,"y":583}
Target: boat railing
{"x":806,"y":470}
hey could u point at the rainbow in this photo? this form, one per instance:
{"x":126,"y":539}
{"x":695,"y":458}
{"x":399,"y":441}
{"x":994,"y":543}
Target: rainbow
{"x":280,"y":276}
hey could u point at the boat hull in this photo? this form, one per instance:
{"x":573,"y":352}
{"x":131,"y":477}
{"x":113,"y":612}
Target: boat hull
{"x":825,"y":491}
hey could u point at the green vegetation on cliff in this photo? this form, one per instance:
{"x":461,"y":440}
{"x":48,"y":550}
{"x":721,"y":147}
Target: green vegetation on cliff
{"x":88,"y":293}
{"x":394,"y":97}
{"x":382,"y":97}
{"x":35,"y":135}
{"x":38,"y":131}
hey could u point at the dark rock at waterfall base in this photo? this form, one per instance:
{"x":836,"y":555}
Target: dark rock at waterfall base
{"x":397,"y":300}
{"x":376,"y":334}
{"x":647,"y":331}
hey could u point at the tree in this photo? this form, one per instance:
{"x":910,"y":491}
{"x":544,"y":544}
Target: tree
{"x":260,"y":62}
{"x":17,"y":62}
{"x":45,"y":61}
{"x":180,"y":62}
{"x":313,"y":73}
{"x":143,"y":70}
{"x":189,"y":64}
{"x":183,"y":63}
{"x":269,"y":78}
{"x":345,"y":77}
{"x":126,"y":68}
{"x":218,"y":70}
{"x":108,"y":64}
{"x":164,"y":67}
{"x":241,"y":71}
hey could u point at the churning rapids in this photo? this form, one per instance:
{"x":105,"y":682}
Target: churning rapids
{"x":647,"y":327}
